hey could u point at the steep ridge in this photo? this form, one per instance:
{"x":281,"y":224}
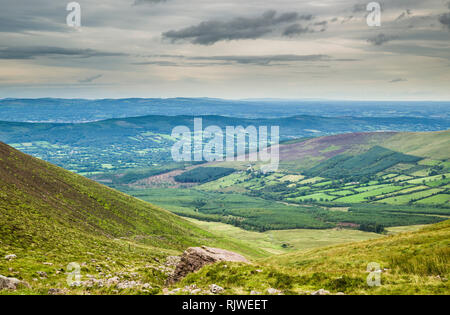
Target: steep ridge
{"x":48,"y":214}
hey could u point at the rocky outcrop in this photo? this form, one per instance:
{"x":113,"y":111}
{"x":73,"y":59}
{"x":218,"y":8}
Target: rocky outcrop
{"x":194,"y":258}
{"x":10,"y":283}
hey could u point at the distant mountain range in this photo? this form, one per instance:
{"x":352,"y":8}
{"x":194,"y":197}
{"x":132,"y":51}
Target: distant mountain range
{"x":143,"y":141}
{"x":82,"y":110}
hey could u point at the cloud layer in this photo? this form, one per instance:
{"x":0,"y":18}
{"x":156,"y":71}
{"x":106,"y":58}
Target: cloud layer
{"x":210,"y":32}
{"x":231,"y":49}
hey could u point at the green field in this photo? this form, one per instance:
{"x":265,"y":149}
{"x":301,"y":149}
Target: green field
{"x":258,"y":214}
{"x":437,"y":199}
{"x":283,"y":241}
{"x":398,"y":200}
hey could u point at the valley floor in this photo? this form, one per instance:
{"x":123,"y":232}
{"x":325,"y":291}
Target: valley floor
{"x":285,"y":241}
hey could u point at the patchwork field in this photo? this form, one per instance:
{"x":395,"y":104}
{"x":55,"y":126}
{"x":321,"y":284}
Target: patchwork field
{"x":378,"y":186}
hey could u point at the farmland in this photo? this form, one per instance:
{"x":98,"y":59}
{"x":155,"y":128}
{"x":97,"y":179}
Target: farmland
{"x":334,"y":192}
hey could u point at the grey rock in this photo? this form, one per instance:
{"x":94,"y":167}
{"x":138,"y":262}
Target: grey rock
{"x":194,"y":258}
{"x":215,"y":289}
{"x":112,"y":281}
{"x":54,"y":291}
{"x":321,"y":292}
{"x":10,"y":257}
{"x":11,"y":283}
{"x":273,"y":291}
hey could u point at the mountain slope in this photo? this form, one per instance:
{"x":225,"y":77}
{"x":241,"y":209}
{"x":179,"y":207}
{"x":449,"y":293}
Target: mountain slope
{"x":411,"y":263}
{"x":305,"y":154}
{"x":48,"y":214}
{"x":435,"y":145}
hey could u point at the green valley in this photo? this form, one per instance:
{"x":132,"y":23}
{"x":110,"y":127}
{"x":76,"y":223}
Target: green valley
{"x":358,"y":184}
{"x":333,"y":207}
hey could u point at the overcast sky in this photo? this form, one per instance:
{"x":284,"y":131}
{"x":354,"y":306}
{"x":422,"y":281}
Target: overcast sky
{"x":228,"y":49}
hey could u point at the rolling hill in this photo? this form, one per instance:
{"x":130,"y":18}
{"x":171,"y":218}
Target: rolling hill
{"x":50,"y":217}
{"x":141,"y":142}
{"x":310,"y":152}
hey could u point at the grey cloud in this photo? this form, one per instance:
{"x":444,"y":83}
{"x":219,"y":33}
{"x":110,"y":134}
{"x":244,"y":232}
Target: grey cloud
{"x":322,"y":23}
{"x":401,"y":16}
{"x":295,"y":29}
{"x":46,"y":51}
{"x":359,"y":7}
{"x":265,"y":60}
{"x":139,"y":2}
{"x":90,"y":79}
{"x":29,"y":23}
{"x":347,"y":19}
{"x":398,"y":80}
{"x":162,"y":63}
{"x":381,"y":39}
{"x":445,"y":20}
{"x":210,"y":32}
{"x":407,"y":13}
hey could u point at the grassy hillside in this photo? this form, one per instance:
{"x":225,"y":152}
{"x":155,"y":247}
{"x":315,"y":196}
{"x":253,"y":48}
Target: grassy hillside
{"x":305,"y":154}
{"x":435,"y":145}
{"x":50,"y":217}
{"x":411,"y":263}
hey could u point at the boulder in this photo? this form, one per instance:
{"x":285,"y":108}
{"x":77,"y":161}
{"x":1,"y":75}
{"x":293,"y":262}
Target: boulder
{"x":215,"y":289}
{"x":10,"y":283}
{"x":273,"y":291}
{"x":10,"y":257}
{"x":321,"y":292}
{"x":194,"y":258}
{"x":55,"y":291}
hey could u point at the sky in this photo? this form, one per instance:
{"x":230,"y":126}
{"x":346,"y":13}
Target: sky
{"x":231,"y":49}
